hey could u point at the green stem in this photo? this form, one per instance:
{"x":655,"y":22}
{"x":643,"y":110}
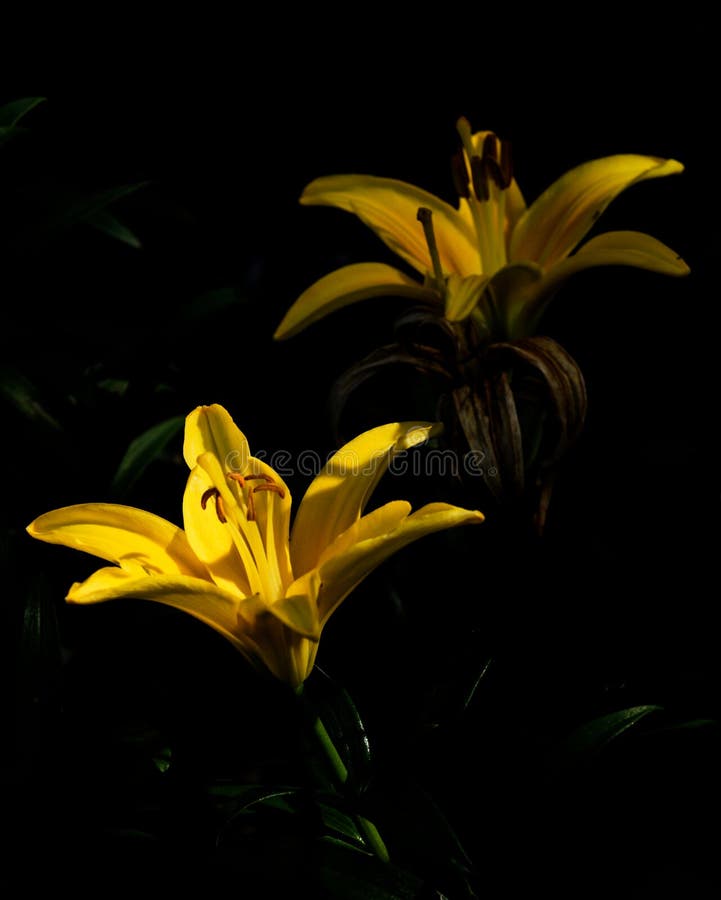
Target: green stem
{"x":371,"y":835}
{"x":328,"y":746}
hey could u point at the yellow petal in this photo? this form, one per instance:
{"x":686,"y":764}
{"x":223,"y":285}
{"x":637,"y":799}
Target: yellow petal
{"x":212,"y":540}
{"x":377,"y":522}
{"x":463,"y":296}
{"x":390,"y":208}
{"x":210,"y":429}
{"x":555,"y":223}
{"x":342,"y":572}
{"x":299,"y":608}
{"x":272,"y":516}
{"x":337,"y":495}
{"x":508,"y":291}
{"x":244,"y":532}
{"x":622,"y":248}
{"x":345,"y":286}
{"x":118,"y":533}
{"x":614,"y":248}
{"x":201,"y":599}
{"x":302,"y":655}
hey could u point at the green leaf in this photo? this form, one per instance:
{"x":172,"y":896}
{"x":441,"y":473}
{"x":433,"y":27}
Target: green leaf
{"x":11,"y":113}
{"x":62,"y":208}
{"x":117,"y":386}
{"x":143,"y":450}
{"x":7,"y":134}
{"x":324,"y":697}
{"x":23,"y":395}
{"x":355,"y":876}
{"x":339,"y":821}
{"x":72,"y":208}
{"x":207,"y":304}
{"x":415,"y":826}
{"x":107,"y":223}
{"x":40,"y":652}
{"x":593,"y":737}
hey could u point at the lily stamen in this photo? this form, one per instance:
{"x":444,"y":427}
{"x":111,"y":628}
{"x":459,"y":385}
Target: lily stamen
{"x":268,"y":485}
{"x":479,"y":175}
{"x":490,"y":147}
{"x":506,"y":163}
{"x":459,"y":172}
{"x":219,"y":508}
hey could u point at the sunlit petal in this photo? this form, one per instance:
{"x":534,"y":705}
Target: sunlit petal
{"x":350,"y":284}
{"x":390,"y":208}
{"x":210,"y":429}
{"x":564,"y":213}
{"x":343,"y":571}
{"x":201,"y":599}
{"x":337,"y":496}
{"x":298,"y":609}
{"x":212,"y":540}
{"x":115,"y":533}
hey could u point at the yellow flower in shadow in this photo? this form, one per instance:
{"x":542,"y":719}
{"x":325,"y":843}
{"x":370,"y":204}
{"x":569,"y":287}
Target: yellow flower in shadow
{"x":493,"y":258}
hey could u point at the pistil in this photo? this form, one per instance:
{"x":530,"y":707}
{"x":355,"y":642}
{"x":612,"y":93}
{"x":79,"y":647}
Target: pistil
{"x":425,"y":217}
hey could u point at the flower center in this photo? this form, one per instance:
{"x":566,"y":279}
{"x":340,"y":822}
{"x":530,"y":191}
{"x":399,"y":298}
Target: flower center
{"x":267,"y":484}
{"x":491,"y":174}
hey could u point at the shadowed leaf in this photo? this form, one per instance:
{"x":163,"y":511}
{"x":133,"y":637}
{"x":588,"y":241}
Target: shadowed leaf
{"x":143,"y":450}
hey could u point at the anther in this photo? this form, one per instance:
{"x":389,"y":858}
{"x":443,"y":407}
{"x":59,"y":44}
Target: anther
{"x":459,"y":172}
{"x":425,"y":217}
{"x":268,"y":485}
{"x":219,"y":510}
{"x":494,"y":172}
{"x":275,"y":488}
{"x":490,"y":146}
{"x":506,"y":163}
{"x":479,"y":176}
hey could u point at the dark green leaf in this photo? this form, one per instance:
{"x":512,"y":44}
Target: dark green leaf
{"x":77,"y":208}
{"x":143,"y":450}
{"x":592,"y":737}
{"x":355,"y":876}
{"x":107,"y":223}
{"x":336,"y":820}
{"x":23,"y":395}
{"x":11,"y":113}
{"x":207,"y":304}
{"x":40,"y":650}
{"x":413,"y":824}
{"x":117,"y":386}
{"x":325,"y":698}
{"x":63,"y":207}
{"x":7,"y":134}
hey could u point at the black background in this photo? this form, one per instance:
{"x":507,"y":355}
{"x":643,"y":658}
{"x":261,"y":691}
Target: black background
{"x":226,"y":122}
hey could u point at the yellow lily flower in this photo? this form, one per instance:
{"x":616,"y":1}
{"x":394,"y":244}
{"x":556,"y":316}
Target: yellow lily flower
{"x":236,"y":566}
{"x":492,"y":258}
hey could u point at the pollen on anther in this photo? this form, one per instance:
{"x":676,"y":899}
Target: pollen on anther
{"x":506,"y":163}
{"x":490,"y":146}
{"x":479,"y":175}
{"x":219,"y":509}
{"x":459,"y":172}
